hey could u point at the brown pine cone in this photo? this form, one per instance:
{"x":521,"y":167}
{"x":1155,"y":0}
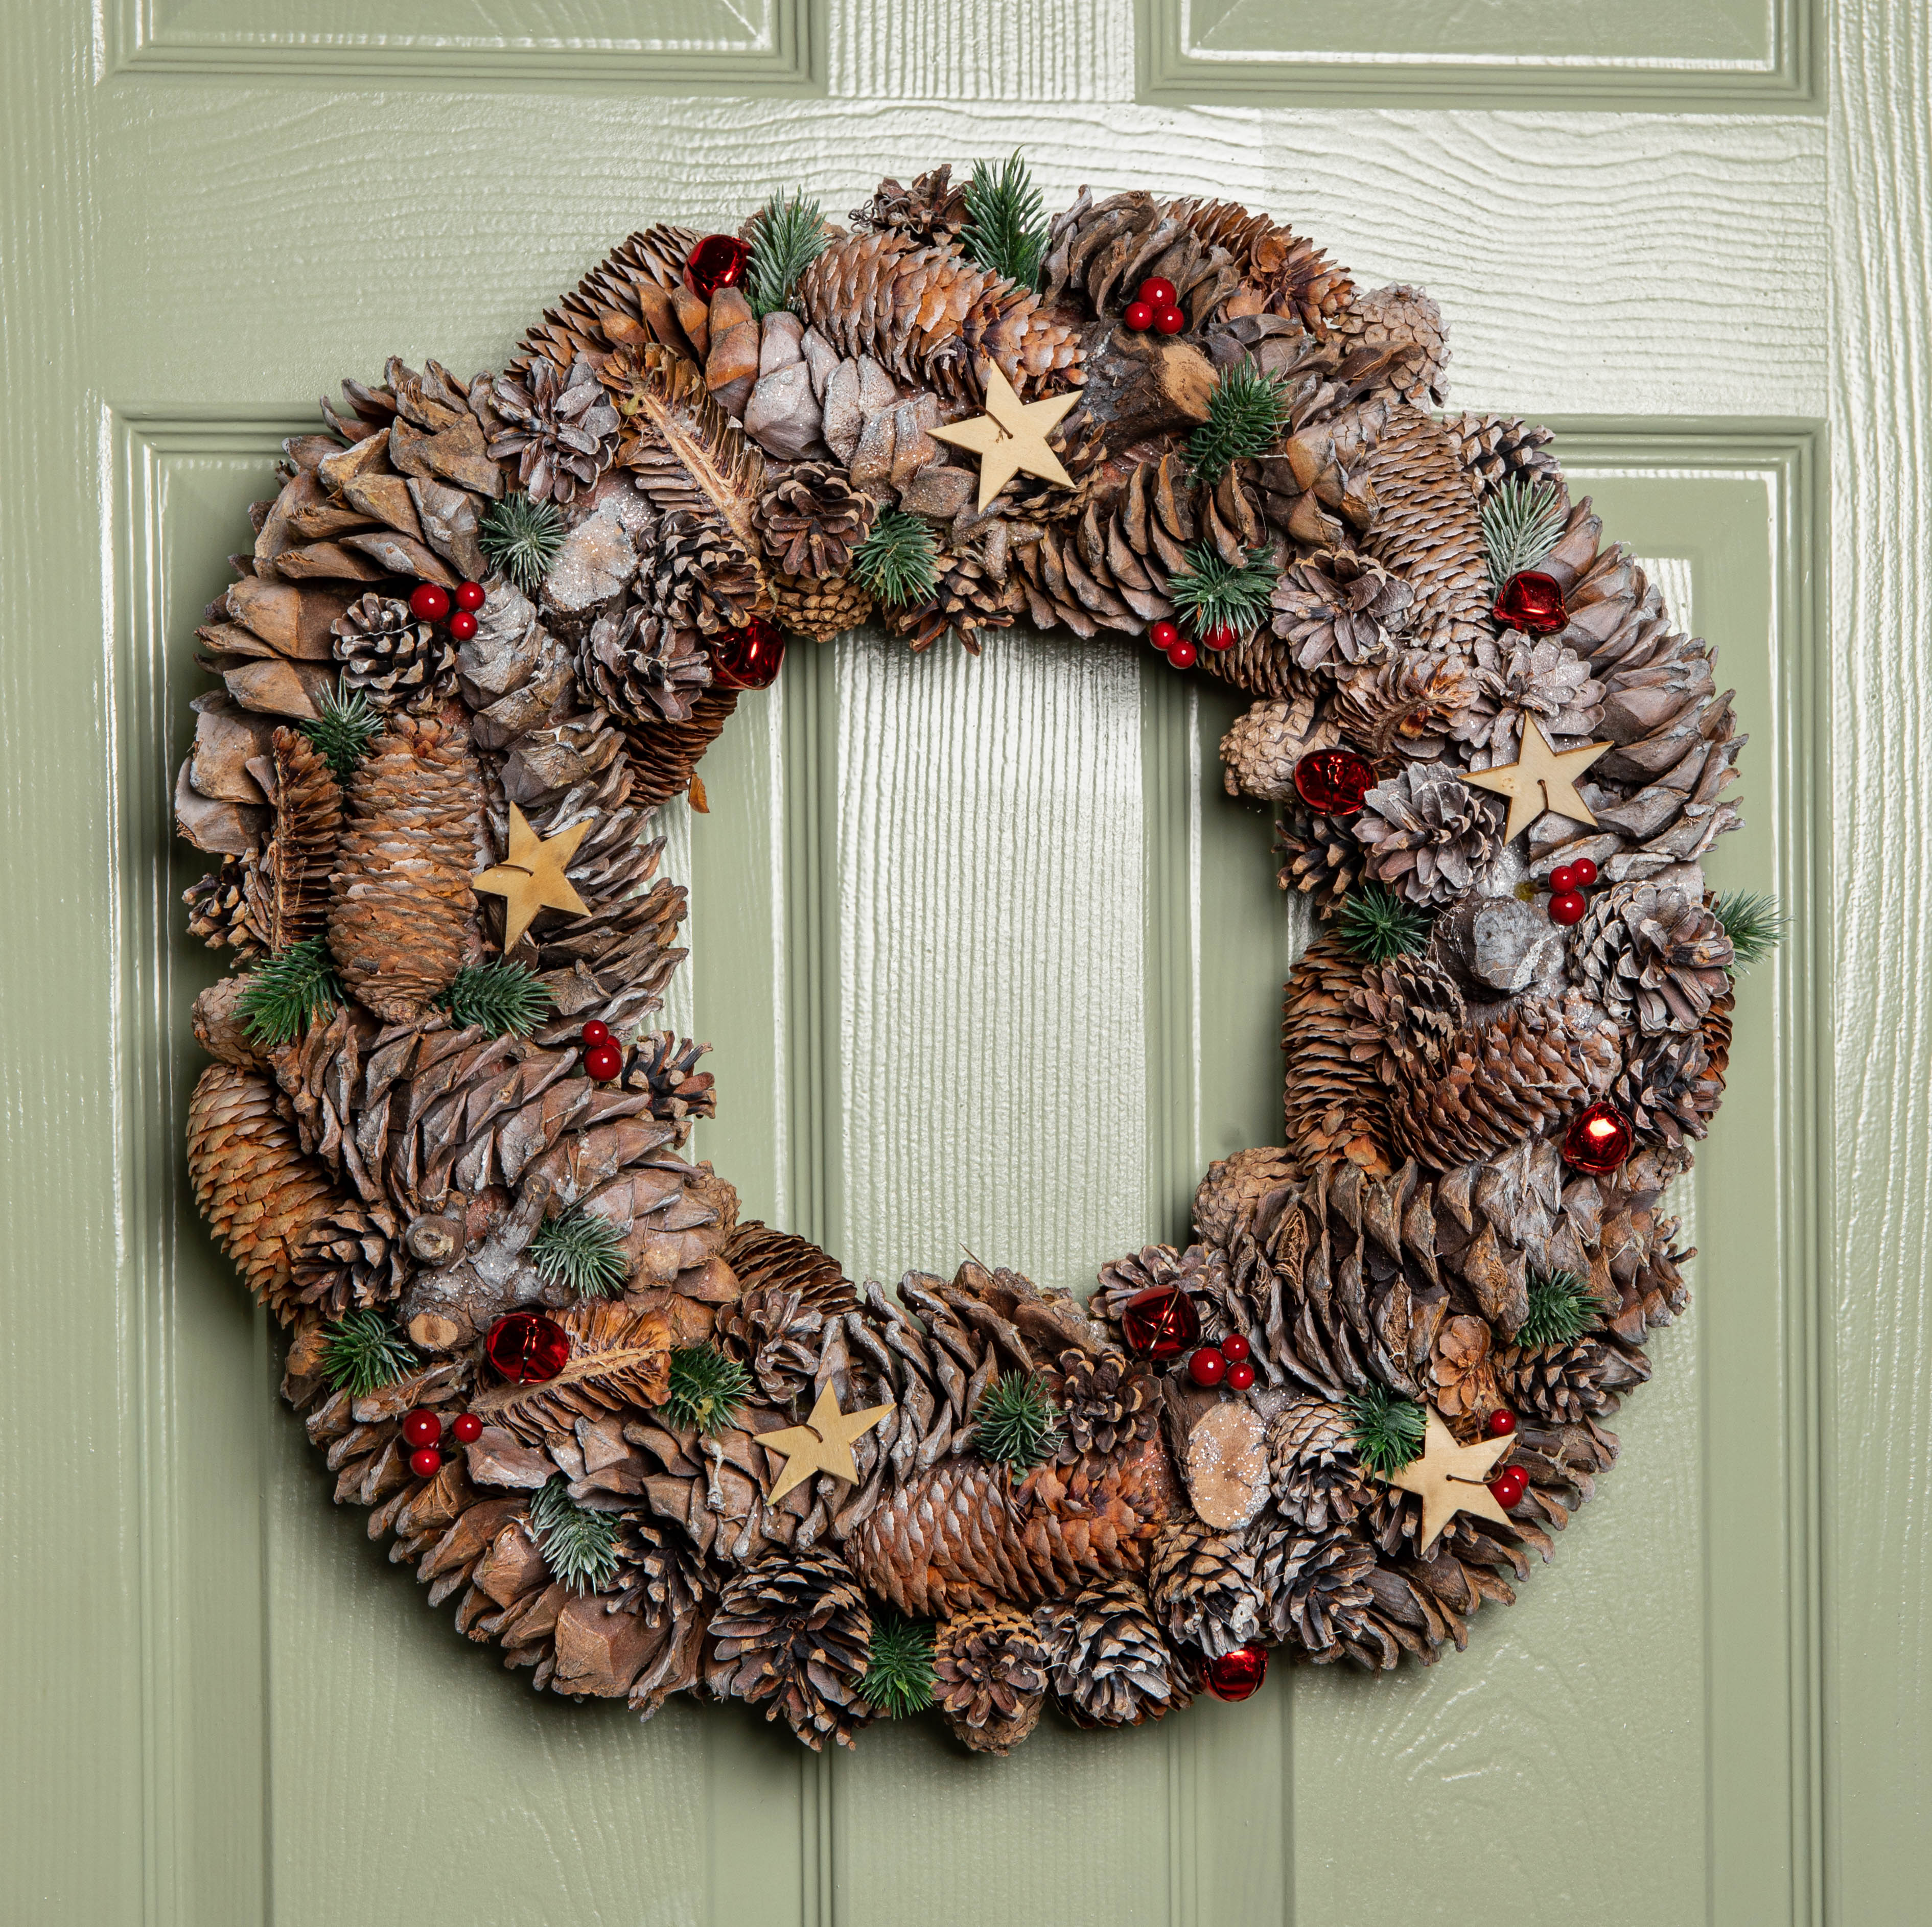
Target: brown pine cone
{"x":352,"y":1258}
{"x":932,"y":209}
{"x":806,"y":606}
{"x":1318,"y":1480}
{"x":1428,"y":834}
{"x":965,"y":600}
{"x":1519,"y":677}
{"x":1671,"y":1087}
{"x":1103,"y":250}
{"x":777,"y":1334}
{"x":1407,"y":707}
{"x":1201,"y":1584}
{"x":1498,"y":449}
{"x":1428,"y":528}
{"x":665,"y":754}
{"x":1294,"y":277}
{"x":812,"y":518}
{"x":1200,"y":1271}
{"x":1460,"y":1370}
{"x":697,"y":577}
{"x":1112,"y":1667}
{"x":1224,"y":1200}
{"x":794,"y":1629}
{"x":1654,"y":958}
{"x":1567,"y":1383}
{"x":560,"y":429}
{"x":1264,"y":744}
{"x":1406,"y":319}
{"x":223,"y":907}
{"x":1320,"y":858}
{"x":220,"y":1028}
{"x":643,"y":667}
{"x":1107,"y":1403}
{"x":990,"y":1666}
{"x":1336,"y":1106}
{"x":666,"y":1066}
{"x":581,"y":324}
{"x":1335,"y":608}
{"x":1317,"y":1588}
{"x":387,"y":656}
{"x":662,"y":1580}
{"x":782,"y":1261}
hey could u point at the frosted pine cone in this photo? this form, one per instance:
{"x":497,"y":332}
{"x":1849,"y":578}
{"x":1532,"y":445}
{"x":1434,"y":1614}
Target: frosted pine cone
{"x":561,"y":429}
{"x":1518,"y":677}
{"x":1318,"y":1480}
{"x":1653,"y":956}
{"x":389,"y":657}
{"x":990,"y":1666}
{"x":1337,"y":609}
{"x":1428,"y":834}
{"x":1201,"y":1584}
{"x":1406,"y":707}
{"x":1113,"y":1667}
{"x":642,"y":667}
{"x":812,"y":518}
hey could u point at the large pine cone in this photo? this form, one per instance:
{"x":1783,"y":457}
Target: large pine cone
{"x":1498,"y":450}
{"x":1428,"y":835}
{"x":806,"y":606}
{"x":932,"y":209}
{"x":812,"y":518}
{"x":1654,"y":957}
{"x":1104,"y":250}
{"x":1112,"y":1666}
{"x":1264,"y":744}
{"x":1520,"y":677}
{"x":1335,"y":1103}
{"x":1335,"y":609}
{"x":401,"y":922}
{"x":560,"y":429}
{"x":643,"y":667}
{"x":794,"y":1629}
{"x":1202,"y":1585}
{"x":991,"y":1664}
{"x":1318,"y":1480}
{"x":389,"y":657}
{"x":1293,"y":275}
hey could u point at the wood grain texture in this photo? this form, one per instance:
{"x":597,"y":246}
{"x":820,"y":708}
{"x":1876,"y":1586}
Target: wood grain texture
{"x":1056,"y":50}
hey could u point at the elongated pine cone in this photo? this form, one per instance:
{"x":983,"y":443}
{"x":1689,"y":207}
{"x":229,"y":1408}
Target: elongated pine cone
{"x":1112,"y":1666}
{"x":990,"y":1666}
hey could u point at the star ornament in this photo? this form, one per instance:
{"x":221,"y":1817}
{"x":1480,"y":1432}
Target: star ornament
{"x":530,"y":878}
{"x":1450,"y":1478}
{"x":1010,"y":438}
{"x":823,"y":1443}
{"x":1541,"y":778}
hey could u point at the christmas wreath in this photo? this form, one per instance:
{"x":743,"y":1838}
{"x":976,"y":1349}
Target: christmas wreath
{"x":487,"y":629}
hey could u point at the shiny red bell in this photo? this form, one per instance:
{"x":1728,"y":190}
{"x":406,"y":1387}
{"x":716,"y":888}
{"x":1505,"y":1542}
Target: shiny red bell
{"x":717,"y":261}
{"x":526,"y":1348}
{"x":748,"y":659}
{"x":1598,"y":1141}
{"x":1334,"y":782}
{"x":1532,"y":602}
{"x":1237,"y":1675}
{"x":1161,"y":1322}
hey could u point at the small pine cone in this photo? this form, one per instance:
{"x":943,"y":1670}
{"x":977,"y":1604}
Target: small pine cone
{"x":1107,"y":1403}
{"x":1671,"y":1087}
{"x":1200,"y":1271}
{"x":221,"y":907}
{"x":1498,"y":450}
{"x":819,"y":609}
{"x":661,"y":1579}
{"x":777,"y":1334}
{"x":1653,"y":956}
{"x":1317,"y":1588}
{"x":1406,"y":707}
{"x":1567,"y":1383}
{"x":932,"y":209}
{"x":666,"y":1065}
{"x":220,"y":1028}
{"x":1318,"y":1480}
{"x":1201,"y":1584}
{"x":697,"y":575}
{"x":1336,"y":609}
{"x":1406,"y":319}
{"x":665,"y":754}
{"x":965,"y":600}
{"x":812,"y":518}
{"x":794,"y":1629}
{"x":401,"y":921}
{"x":1112,"y":1666}
{"x":990,"y":1666}
{"x":643,"y":667}
{"x":259,"y":1195}
{"x":1321,"y":858}
{"x":387,"y":656}
{"x":1460,"y":1370}
{"x":353,"y":1258}
{"x":560,"y":429}
{"x":1428,"y":834}
{"x":1265,"y":743}
{"x":1520,"y":676}
{"x":1224,"y":1200}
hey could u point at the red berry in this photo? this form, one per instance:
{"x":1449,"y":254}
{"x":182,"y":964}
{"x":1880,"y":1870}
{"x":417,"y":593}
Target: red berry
{"x":1562,"y":879}
{"x":426,"y":1462}
{"x":1234,"y":1348}
{"x":1334,"y":782}
{"x":1598,"y":1140}
{"x":421,"y":1428}
{"x":717,"y":261}
{"x":1163,"y":635}
{"x":526,"y":1348}
{"x":429,"y":604}
{"x":1220,"y":637}
{"x":1509,"y":1485}
{"x":1207,"y":1366}
{"x":1183,"y":654}
{"x":1139,"y":316}
{"x":603,"y":1062}
{"x":596,"y":1032}
{"x":471,"y":595}
{"x":1501,"y":1422}
{"x":467,"y":1427}
{"x":1567,"y":907}
{"x":1168,"y":321}
{"x":1532,"y":602}
{"x":1157,"y":292}
{"x":1585,"y":872}
{"x":1241,"y":1376}
{"x":1236,"y":1675}
{"x":1159,"y":1322}
{"x":463,"y":625}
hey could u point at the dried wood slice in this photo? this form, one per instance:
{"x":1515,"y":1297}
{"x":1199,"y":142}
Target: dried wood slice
{"x":1227,"y":1466}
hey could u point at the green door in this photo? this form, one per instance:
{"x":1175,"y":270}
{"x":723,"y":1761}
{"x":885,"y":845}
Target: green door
{"x":1009,"y":990}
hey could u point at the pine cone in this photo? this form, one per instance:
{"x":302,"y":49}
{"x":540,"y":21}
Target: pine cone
{"x":582,"y":324}
{"x":1336,"y":607}
{"x":1107,"y":1403}
{"x":1103,"y":250}
{"x":775,"y":1332}
{"x":1200,"y":1271}
{"x":1319,"y":1482}
{"x":352,"y":1259}
{"x":643,"y":667}
{"x":794,"y":1629}
{"x":1428,"y":529}
{"x":1224,"y":1200}
{"x":1498,"y":450}
{"x":220,"y":1028}
{"x":560,"y":429}
{"x":1201,"y":1584}
{"x":1519,"y":677}
{"x":259,"y":1195}
{"x":965,"y":600}
{"x":1655,"y":958}
{"x":389,"y":657}
{"x":779,"y":1261}
{"x":991,"y":1667}
{"x":1407,"y":707}
{"x":1465,"y":1386}
{"x":1406,"y":319}
{"x":663,"y":755}
{"x":1112,"y":1667}
{"x":1317,"y":1588}
{"x":932,"y":209}
{"x":1294,"y":277}
{"x":812,"y":518}
{"x":666,"y":1066}
{"x":1262,"y":747}
{"x":1671,"y":1087}
{"x":698,"y":576}
{"x":1428,"y":834}
{"x":662,"y":1580}
{"x":401,"y":921}
{"x":1322,"y":858}
{"x":1336,"y":1108}
{"x":219,"y":909}
{"x":820,"y":610}
{"x":1567,"y":1383}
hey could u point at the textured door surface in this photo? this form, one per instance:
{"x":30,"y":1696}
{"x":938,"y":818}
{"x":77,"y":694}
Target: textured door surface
{"x":988,"y":960}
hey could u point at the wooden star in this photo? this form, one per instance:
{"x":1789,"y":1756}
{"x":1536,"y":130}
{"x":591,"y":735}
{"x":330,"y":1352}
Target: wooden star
{"x":823,"y":1443}
{"x":1010,"y":438}
{"x":1450,"y":1478}
{"x":531,"y":877}
{"x":1541,"y":778}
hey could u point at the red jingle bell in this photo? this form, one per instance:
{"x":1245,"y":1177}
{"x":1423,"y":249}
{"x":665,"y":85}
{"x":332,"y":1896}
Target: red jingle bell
{"x":1139,"y":316}
{"x":596,"y":1032}
{"x":526,"y":1348}
{"x":1585,"y":872}
{"x":1532,"y":602}
{"x":1334,"y":782}
{"x":1160,"y":1322}
{"x":1163,"y":635}
{"x":602,"y":1062}
{"x":1207,"y":1366}
{"x":1234,"y":1348}
{"x":429,"y":603}
{"x":1237,"y":1675}
{"x":471,"y":595}
{"x":467,"y":1428}
{"x":1568,"y":906}
{"x":748,"y":659}
{"x":1241,"y":1376}
{"x":1509,"y":1485}
{"x":1168,"y":321}
{"x":717,"y":261}
{"x":1157,"y":292}
{"x":1500,"y":1423}
{"x":463,"y":625}
{"x":1184,"y":654}
{"x":426,"y":1462}
{"x":421,"y":1428}
{"x":1598,"y":1141}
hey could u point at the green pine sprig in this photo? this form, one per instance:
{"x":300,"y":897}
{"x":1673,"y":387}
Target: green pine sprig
{"x":521,"y":538}
{"x":1211,"y":594}
{"x":898,"y":561}
{"x":580,"y":1546}
{"x":1753,"y":922}
{"x":290,"y":989}
{"x":1247,"y":412}
{"x":1377,"y":925}
{"x":708,"y":1390}
{"x":362,"y":1352}
{"x":582,"y":1252}
{"x":1006,"y":227}
{"x":507,"y":999}
{"x":1017,"y":1423}
{"x":1521,"y":524}
{"x":1388,"y":1429}
{"x":899,"y":1678}
{"x":788,"y":235}
{"x":343,"y":731}
{"x":1561,"y":1308}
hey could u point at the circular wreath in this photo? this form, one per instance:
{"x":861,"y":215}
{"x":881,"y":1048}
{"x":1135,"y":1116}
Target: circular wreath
{"x":487,"y":629}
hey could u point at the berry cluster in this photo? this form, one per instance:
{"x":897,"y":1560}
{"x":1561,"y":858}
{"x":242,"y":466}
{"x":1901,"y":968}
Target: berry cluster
{"x":1567,"y":882}
{"x":1509,"y":1485}
{"x":422,"y":1431}
{"x":1156,"y":306}
{"x":1225,"y":1363}
{"x":1166,"y":637}
{"x":603,"y":1059}
{"x":429,"y":602}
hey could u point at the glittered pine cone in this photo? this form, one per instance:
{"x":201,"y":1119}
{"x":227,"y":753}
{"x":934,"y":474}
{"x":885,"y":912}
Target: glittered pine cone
{"x":1107,"y":1403}
{"x":806,"y":606}
{"x":1336,"y":609}
{"x":812,"y":518}
{"x":1428,"y":834}
{"x":990,"y":1666}
{"x":1407,"y":706}
{"x":642,"y":667}
{"x":1317,"y":1587}
{"x":932,"y":209}
{"x":1653,"y":956}
{"x":1519,"y":677}
{"x":1200,"y":1583}
{"x":387,"y":656}
{"x":1318,"y":1480}
{"x":1112,"y":1666}
{"x":560,"y":430}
